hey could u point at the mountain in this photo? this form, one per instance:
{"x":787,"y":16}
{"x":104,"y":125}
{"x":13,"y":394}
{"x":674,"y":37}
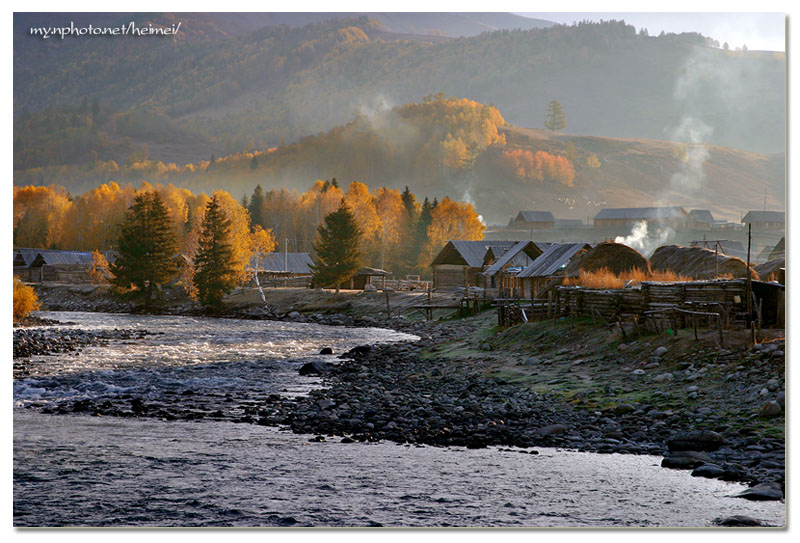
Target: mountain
{"x":228,"y":87}
{"x":464,"y":149}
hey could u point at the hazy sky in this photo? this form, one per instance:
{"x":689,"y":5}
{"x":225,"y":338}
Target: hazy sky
{"x":759,"y":31}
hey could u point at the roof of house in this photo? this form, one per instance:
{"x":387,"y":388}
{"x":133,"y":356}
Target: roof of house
{"x":764,"y":216}
{"x":641,"y":213}
{"x":52,"y":258}
{"x":372,"y":271}
{"x":517,"y":252}
{"x":702,"y":215}
{"x":471,"y":253}
{"x":536,"y":216}
{"x":553,"y":259}
{"x":284,"y":263}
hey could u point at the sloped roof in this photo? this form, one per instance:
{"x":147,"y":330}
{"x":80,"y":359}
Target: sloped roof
{"x":470,"y":253}
{"x":641,"y":213}
{"x":511,"y":254}
{"x":779,"y":251}
{"x":274,"y":263}
{"x":536,"y":216}
{"x":372,"y":271}
{"x":553,"y":259}
{"x":702,"y":215}
{"x":764,"y":216}
{"x":52,"y":258}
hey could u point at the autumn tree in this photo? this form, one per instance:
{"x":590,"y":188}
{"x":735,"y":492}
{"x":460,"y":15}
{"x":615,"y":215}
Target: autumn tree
{"x":555,"y":118}
{"x":215,"y":265}
{"x":337,"y":248}
{"x":451,"y":220}
{"x":146,"y":248}
{"x":25,"y":300}
{"x":40,"y":216}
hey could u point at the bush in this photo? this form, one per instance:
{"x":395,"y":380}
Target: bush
{"x":25,"y":300}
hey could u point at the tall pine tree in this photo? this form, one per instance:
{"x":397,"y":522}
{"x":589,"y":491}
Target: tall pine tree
{"x":338,"y":255}
{"x":147,"y":247}
{"x":421,"y":234}
{"x":256,"y":207}
{"x":215,"y":269}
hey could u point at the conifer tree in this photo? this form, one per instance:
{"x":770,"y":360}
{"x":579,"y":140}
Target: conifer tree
{"x":256,"y":207}
{"x":337,"y":248}
{"x":421,"y":233}
{"x":146,"y":247}
{"x":555,"y":118}
{"x":215,"y":268}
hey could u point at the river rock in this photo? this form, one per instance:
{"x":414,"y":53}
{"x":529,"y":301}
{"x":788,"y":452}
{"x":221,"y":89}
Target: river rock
{"x":663,"y":378}
{"x":685,"y":460}
{"x":737,"y":521}
{"x":624,"y":408}
{"x":661,"y":351}
{"x":770,"y":409}
{"x":326,"y":350}
{"x":781,"y":399}
{"x":551,"y":429}
{"x":699,"y":440}
{"x":762,"y":492}
{"x":315,"y":368}
{"x":709,"y":471}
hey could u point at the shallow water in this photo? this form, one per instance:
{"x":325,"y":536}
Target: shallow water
{"x":73,"y":470}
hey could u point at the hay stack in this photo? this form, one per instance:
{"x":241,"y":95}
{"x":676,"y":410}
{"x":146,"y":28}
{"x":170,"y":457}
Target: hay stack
{"x":616,"y":257}
{"x":698,"y":263}
{"x":768,"y":268}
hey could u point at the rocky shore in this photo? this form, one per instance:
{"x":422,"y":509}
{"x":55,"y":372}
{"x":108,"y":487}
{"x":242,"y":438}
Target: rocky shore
{"x":718,"y":413}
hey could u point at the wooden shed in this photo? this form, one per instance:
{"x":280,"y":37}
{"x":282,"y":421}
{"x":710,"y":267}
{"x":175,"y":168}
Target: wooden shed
{"x":549,"y":265}
{"x":53,"y":266}
{"x":459,"y":262}
{"x":536,"y":220}
{"x":366,"y":276}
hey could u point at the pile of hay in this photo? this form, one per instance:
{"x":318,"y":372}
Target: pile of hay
{"x":698,"y":263}
{"x":614,"y":257}
{"x":768,"y":268}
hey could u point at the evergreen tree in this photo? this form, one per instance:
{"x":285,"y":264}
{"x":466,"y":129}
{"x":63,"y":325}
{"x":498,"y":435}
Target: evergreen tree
{"x":146,"y":247}
{"x":338,"y":255}
{"x":421,"y":231}
{"x":254,"y":163}
{"x":555,"y":118}
{"x":256,"y":207}
{"x":214,"y":265}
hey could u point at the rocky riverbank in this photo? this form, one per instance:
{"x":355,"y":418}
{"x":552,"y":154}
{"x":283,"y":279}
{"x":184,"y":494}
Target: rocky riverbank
{"x":717,"y":412}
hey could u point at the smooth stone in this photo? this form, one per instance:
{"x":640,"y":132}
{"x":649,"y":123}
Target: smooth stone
{"x":700,"y":440}
{"x":762,"y":492}
{"x":737,"y":521}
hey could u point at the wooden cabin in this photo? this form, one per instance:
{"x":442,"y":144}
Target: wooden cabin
{"x":765,"y":220}
{"x":459,"y":262}
{"x":536,"y":277}
{"x":675,"y":217}
{"x":536,"y":220}
{"x":501,"y":272}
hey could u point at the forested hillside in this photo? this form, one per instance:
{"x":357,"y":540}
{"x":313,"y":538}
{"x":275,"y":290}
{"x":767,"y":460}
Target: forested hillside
{"x":220,"y":88}
{"x":445,"y":146}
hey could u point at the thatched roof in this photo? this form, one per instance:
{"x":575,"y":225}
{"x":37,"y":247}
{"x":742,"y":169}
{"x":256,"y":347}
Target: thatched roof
{"x":767,"y":268}
{"x":698,"y":262}
{"x":616,"y":257}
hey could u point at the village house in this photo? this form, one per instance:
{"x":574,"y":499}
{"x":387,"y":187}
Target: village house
{"x":364,"y":277}
{"x":283,"y":268}
{"x":54,"y":266}
{"x":701,"y":219}
{"x":500,"y":273}
{"x":550,"y":264}
{"x":537,"y":220}
{"x":459,"y":262}
{"x":765,"y":220}
{"x":674,"y":217}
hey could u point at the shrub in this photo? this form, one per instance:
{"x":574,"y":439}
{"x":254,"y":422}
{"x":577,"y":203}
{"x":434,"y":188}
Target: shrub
{"x":604,"y":278}
{"x":25,"y":300}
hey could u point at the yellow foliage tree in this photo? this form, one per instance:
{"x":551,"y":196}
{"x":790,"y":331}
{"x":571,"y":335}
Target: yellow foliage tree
{"x":25,"y":300}
{"x":39,"y":216}
{"x":451,"y":220}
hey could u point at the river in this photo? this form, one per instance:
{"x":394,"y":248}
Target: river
{"x":81,"y":470}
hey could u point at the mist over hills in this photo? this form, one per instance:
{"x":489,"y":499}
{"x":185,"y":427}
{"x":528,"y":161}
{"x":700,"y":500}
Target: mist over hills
{"x":669,"y":119}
